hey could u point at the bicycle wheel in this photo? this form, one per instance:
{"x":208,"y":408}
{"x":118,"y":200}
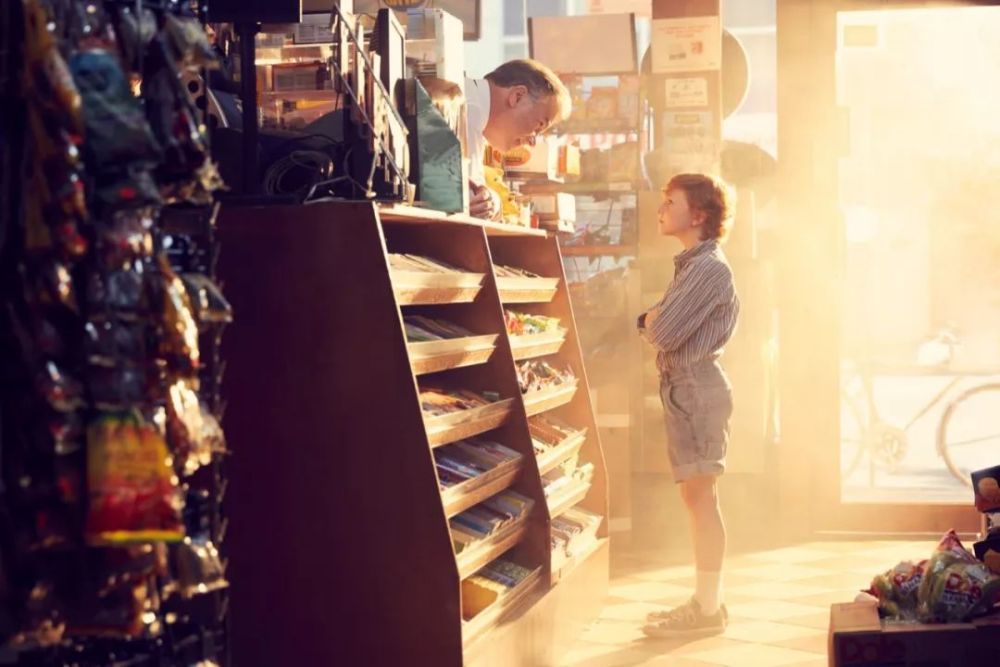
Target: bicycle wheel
{"x":968,"y":435}
{"x":853,"y":431}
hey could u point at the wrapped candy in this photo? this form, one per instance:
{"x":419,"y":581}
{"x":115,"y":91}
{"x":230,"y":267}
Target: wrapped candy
{"x":955,"y":585}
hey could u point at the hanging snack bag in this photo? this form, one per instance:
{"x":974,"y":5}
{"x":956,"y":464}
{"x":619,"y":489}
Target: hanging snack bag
{"x":133,"y":490}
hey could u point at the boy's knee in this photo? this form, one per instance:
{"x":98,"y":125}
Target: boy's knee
{"x":699,"y":493}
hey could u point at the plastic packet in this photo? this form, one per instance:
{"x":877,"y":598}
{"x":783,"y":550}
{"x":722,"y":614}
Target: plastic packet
{"x":62,"y":392}
{"x":210,"y":306}
{"x":55,"y":285}
{"x":117,"y":387}
{"x":179,"y":342}
{"x":133,"y":490}
{"x":955,"y":586}
{"x":119,"y":292}
{"x":198,"y":567}
{"x":127,"y":237}
{"x":193,"y":431}
{"x":107,"y":343}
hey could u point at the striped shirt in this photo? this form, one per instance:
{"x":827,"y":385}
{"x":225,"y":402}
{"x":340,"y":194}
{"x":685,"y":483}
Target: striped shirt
{"x":697,"y":315}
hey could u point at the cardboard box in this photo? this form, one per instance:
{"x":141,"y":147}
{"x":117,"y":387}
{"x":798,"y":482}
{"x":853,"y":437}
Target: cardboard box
{"x":859,"y":639}
{"x":557,"y":206}
{"x":538,"y":161}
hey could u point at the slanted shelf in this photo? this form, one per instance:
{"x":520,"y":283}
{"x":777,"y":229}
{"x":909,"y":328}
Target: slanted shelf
{"x":516,"y":285}
{"x":421,"y":280}
{"x":567,"y":402}
{"x":351,"y":376}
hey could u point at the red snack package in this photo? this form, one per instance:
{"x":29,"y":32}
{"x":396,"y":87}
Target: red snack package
{"x":133,"y":490}
{"x":955,"y":586}
{"x":897,"y":589}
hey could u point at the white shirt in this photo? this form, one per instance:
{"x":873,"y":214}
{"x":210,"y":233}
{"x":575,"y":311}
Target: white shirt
{"x":477,"y":104}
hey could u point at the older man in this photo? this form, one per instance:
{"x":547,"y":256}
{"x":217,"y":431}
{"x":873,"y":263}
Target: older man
{"x":509,"y":108}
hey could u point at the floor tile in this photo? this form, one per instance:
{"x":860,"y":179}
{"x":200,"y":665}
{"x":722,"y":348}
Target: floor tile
{"x":753,"y":654}
{"x":816,"y":643}
{"x":634,"y":612}
{"x":647,"y":591}
{"x":612,"y":632}
{"x":602,"y":655}
{"x":779,"y":572}
{"x":781,"y":590}
{"x":803,"y":554}
{"x":819,"y":621}
{"x":769,"y":632}
{"x":771,"y":610}
{"x":688,"y":647}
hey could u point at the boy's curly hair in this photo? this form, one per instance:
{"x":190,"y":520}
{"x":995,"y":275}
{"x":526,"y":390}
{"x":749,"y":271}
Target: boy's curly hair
{"x":711,"y":196}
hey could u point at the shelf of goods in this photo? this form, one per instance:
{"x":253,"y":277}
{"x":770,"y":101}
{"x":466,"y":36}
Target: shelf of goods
{"x":374,"y":401}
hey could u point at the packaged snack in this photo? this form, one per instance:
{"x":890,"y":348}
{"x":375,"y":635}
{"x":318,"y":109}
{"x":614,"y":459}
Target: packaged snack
{"x":896,"y":590}
{"x":132,"y":487}
{"x":199,"y":567}
{"x":179,"y":342}
{"x":986,"y":484}
{"x":61,"y":392}
{"x":210,"y":306}
{"x":107,"y":343}
{"x":118,"y":292}
{"x":127,"y":237}
{"x":193,"y":431}
{"x":988,"y":551}
{"x":955,"y":586}
{"x":117,"y":387}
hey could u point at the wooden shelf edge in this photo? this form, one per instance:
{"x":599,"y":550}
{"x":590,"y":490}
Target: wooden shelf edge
{"x":434,"y":362}
{"x":569,"y":564}
{"x":516,"y":601}
{"x":536,"y":345}
{"x":562,"y":451}
{"x":441,"y":433}
{"x":566,"y":499}
{"x":546,"y":399}
{"x":430,"y":296}
{"x":458,"y":499}
{"x":470,"y":561}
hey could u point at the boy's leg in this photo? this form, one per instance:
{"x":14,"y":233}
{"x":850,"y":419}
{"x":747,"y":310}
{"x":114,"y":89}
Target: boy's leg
{"x":708,"y":534}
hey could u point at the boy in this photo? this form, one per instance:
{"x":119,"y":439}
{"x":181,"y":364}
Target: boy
{"x":689,"y":327}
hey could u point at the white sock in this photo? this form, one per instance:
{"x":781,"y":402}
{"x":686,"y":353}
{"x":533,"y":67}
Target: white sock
{"x":708,"y":591}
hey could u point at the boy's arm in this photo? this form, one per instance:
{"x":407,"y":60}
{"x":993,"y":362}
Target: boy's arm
{"x":686,"y":307}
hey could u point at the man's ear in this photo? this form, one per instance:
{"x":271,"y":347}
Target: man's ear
{"x":515,"y":94}
{"x":698,"y":218}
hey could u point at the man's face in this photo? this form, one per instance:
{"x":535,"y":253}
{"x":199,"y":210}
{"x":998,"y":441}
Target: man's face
{"x":521,"y":119}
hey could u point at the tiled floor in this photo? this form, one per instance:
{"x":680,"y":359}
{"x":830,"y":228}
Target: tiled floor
{"x":778,"y":602}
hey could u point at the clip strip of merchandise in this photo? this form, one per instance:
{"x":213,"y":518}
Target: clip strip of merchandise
{"x":111,"y":449}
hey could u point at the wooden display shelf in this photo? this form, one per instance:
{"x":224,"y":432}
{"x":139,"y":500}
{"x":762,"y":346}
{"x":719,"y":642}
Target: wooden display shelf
{"x":566,"y":498}
{"x":529,"y":346}
{"x":440,"y":355}
{"x":422,"y":216}
{"x":526,"y":290}
{"x":454,"y":426}
{"x":462,"y":496}
{"x":561,"y":452}
{"x":477,"y":555}
{"x":537,"y":402}
{"x":415,"y":288}
{"x":512,"y":603}
{"x":563,"y":565}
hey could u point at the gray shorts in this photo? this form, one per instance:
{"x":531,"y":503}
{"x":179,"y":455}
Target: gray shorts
{"x":697,"y":405}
